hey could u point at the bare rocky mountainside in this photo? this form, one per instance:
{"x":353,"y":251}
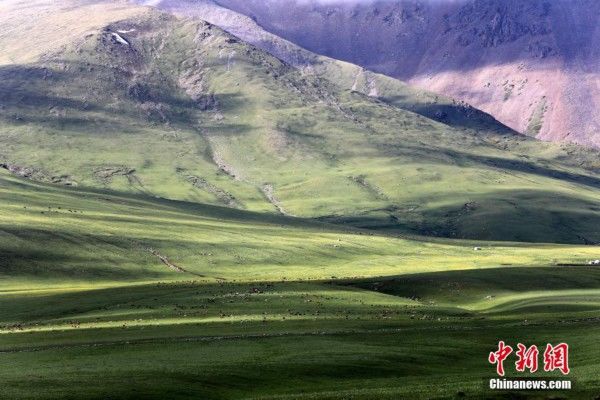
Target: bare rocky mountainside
{"x":533,"y":64}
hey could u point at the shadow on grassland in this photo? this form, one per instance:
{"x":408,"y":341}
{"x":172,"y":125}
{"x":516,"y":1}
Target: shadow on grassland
{"x":533,"y":216}
{"x":468,"y":285}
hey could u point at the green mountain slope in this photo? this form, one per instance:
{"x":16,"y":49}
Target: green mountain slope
{"x":344,"y":75}
{"x":189,"y":112}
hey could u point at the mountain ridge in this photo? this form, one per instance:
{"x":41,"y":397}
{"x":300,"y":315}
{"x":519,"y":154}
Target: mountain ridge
{"x":346,"y":75}
{"x":532,"y":65}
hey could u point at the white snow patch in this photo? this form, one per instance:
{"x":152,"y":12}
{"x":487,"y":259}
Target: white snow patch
{"x":120,"y":39}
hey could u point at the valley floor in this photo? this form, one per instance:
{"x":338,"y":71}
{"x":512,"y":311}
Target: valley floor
{"x":269,"y":307}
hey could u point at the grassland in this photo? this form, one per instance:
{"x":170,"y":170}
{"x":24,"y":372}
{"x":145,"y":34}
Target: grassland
{"x":267,"y":306}
{"x":217,"y":224}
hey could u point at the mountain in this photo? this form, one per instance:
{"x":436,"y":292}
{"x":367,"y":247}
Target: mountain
{"x":345,"y":75}
{"x":190,"y":112}
{"x":531,"y":64}
{"x":191,"y":212}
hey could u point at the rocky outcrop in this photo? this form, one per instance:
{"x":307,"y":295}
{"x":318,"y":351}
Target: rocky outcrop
{"x":37,"y":174}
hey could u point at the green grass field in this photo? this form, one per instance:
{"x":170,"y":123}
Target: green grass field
{"x":268,"y":306}
{"x":184,"y":216}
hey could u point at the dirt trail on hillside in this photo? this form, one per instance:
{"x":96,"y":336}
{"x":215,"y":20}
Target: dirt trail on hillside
{"x":166,"y":261}
{"x":174,"y":267}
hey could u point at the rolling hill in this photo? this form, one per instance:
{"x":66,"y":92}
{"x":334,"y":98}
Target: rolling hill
{"x":112,"y":295}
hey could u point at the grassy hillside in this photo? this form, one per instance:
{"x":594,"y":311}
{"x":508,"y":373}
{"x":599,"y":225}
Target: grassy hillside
{"x":189,"y":112}
{"x":184,"y":216}
{"x":294,"y":308}
{"x":344,"y":75}
{"x":109,"y":238}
